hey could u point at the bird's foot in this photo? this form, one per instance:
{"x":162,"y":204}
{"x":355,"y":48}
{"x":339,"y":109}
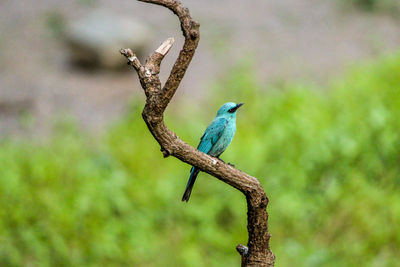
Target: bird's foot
{"x":219,"y":159}
{"x":230,"y":164}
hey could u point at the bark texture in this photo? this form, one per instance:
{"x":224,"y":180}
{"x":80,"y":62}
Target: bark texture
{"x":158,"y":97}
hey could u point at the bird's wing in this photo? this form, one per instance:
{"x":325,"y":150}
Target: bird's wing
{"x":212,"y":134}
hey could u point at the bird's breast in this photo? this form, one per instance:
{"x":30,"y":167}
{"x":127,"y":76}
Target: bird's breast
{"x":225,"y":139}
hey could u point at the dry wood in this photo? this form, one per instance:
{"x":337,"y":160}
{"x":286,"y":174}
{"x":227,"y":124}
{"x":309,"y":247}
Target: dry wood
{"x":258,"y":252}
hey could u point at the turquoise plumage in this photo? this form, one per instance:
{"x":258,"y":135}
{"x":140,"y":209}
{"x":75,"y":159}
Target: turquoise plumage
{"x":215,"y":139}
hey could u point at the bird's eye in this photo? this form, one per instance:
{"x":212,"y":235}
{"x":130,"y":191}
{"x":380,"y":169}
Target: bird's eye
{"x":231,"y":110}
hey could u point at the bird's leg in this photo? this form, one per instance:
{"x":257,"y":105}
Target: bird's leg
{"x":230,"y":164}
{"x":219,"y":158}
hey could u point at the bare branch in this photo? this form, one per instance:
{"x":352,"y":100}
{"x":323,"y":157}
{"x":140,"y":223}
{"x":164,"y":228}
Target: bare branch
{"x":243,"y":251}
{"x":165,"y":46}
{"x":132,"y":59}
{"x":190,"y":29}
{"x":157,"y":99}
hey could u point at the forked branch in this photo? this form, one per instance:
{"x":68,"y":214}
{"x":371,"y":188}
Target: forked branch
{"x":158,"y":97}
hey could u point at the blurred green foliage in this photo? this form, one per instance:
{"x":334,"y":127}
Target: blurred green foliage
{"x":392,"y":6}
{"x":55,"y":23}
{"x":329,"y":163}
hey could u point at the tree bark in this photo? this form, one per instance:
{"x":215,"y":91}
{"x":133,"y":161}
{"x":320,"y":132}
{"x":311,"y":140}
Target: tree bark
{"x":158,"y":97}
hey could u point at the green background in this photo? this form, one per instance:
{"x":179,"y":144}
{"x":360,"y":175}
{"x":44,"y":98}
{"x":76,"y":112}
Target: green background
{"x":328,"y":158}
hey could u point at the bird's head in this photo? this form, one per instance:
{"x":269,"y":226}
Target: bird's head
{"x":229,"y":109}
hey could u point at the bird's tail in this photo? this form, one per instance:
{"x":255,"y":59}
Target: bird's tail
{"x":193,"y":175}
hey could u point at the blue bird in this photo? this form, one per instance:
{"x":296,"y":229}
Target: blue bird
{"x":215,"y":139}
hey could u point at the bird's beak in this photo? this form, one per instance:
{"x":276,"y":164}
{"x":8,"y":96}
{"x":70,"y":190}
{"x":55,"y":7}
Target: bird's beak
{"x":238,"y":106}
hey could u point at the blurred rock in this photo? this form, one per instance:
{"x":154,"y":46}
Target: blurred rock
{"x":95,"y":40}
{"x":16,"y":106}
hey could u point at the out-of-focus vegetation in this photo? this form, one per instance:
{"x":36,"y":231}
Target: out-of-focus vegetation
{"x":328,"y":161}
{"x":376,"y":5}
